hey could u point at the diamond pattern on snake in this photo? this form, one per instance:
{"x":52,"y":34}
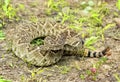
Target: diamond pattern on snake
{"x":59,"y":40}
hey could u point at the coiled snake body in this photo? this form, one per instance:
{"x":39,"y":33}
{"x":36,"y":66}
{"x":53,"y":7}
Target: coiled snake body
{"x":59,"y":40}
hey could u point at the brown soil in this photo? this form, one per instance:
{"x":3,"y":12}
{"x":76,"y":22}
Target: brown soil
{"x":69,"y":68}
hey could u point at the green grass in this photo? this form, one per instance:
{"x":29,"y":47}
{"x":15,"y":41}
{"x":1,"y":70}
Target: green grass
{"x":55,"y":6}
{"x":2,"y":36}
{"x":93,"y":71}
{"x":64,"y":69}
{"x":38,"y":41}
{"x":8,"y":12}
{"x":4,"y":80}
{"x":93,"y":21}
{"x":75,"y":20}
{"x":118,"y":4}
{"x":8,"y":9}
{"x":117,"y":77}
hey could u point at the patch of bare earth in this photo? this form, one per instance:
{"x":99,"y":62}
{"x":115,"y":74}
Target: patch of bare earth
{"x":68,"y":69}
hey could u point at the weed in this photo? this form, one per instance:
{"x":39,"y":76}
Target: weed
{"x":11,"y":65}
{"x":75,"y":27}
{"x":22,"y":77}
{"x":82,"y":76}
{"x":4,"y":80}
{"x":33,"y":19}
{"x":100,"y":31}
{"x":40,"y":71}
{"x":7,"y":12}
{"x":100,"y":62}
{"x":90,"y":41}
{"x":21,"y":7}
{"x":2,"y":35}
{"x":34,"y":4}
{"x":37,"y":42}
{"x":93,"y":21}
{"x":1,"y":24}
{"x":55,"y":6}
{"x":86,"y":4}
{"x":117,"y":77}
{"x":66,"y":15}
{"x":64,"y":69}
{"x":118,"y":4}
{"x":96,"y":66}
{"x":8,"y":9}
{"x":88,"y":72}
{"x":33,"y":73}
{"x":93,"y":72}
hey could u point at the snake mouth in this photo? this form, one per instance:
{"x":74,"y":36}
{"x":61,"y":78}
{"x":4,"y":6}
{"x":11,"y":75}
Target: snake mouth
{"x":38,"y":41}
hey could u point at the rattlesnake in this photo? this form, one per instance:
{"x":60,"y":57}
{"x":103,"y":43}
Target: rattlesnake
{"x":59,"y":40}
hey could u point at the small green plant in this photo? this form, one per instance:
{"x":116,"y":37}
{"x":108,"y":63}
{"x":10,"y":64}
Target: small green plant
{"x":34,"y":4}
{"x":97,"y":15}
{"x":82,"y":76}
{"x":100,"y":62}
{"x":117,"y":77}
{"x":90,"y":41}
{"x":21,"y":7}
{"x":97,"y":65}
{"x":1,"y":24}
{"x":100,"y":31}
{"x":2,"y":36}
{"x":55,"y":6}
{"x":93,"y":72}
{"x":64,"y":69}
{"x":34,"y":73}
{"x":22,"y":77}
{"x":33,"y":19}
{"x":87,"y":6}
{"x":7,"y":12}
{"x":118,"y":4}
{"x":94,"y":20}
{"x":4,"y":80}
{"x":66,"y":15}
{"x":37,"y":41}
{"x":8,"y":9}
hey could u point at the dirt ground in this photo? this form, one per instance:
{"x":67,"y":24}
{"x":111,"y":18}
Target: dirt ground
{"x":69,"y":68}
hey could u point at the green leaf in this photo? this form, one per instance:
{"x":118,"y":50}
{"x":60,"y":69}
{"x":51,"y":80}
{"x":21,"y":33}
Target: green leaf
{"x":91,"y":3}
{"x":91,"y":47}
{"x":88,"y":8}
{"x":82,"y":76}
{"x":50,"y":2}
{"x":117,"y":77}
{"x":90,"y":41}
{"x":21,"y":6}
{"x":2,"y":35}
{"x":1,"y":25}
{"x":108,"y":26}
{"x":105,"y":28}
{"x":7,"y":2}
{"x":4,"y":80}
{"x":118,"y":4}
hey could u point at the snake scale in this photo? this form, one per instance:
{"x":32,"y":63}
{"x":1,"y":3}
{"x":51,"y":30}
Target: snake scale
{"x":59,"y":40}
